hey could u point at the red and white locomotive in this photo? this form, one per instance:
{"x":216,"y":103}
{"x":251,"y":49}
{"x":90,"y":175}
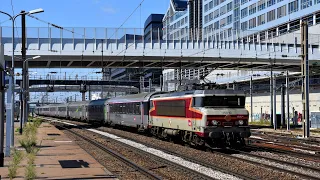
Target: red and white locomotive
{"x":201,"y":117}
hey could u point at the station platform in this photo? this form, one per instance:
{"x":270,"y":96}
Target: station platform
{"x":59,"y":158}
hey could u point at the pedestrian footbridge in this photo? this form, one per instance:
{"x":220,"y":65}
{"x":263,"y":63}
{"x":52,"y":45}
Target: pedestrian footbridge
{"x":135,"y":52}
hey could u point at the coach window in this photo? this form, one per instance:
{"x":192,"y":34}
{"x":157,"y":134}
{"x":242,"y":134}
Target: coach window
{"x":146,"y":108}
{"x":197,"y":102}
{"x":151,"y":104}
{"x":171,"y":108}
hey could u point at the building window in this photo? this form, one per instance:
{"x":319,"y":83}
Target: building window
{"x":223,"y":22}
{"x":279,"y":1}
{"x":236,"y":14}
{"x":252,"y":9}
{"x":229,"y":19}
{"x":243,"y":1}
{"x":281,"y":11}
{"x":216,"y":25}
{"x":223,"y":10}
{"x":229,"y":6}
{"x":293,"y":6}
{"x":252,"y":23}
{"x":216,"y":13}
{"x":221,"y":1}
{"x":244,"y":26}
{"x":316,"y":1}
{"x":215,"y":3}
{"x":236,"y":25}
{"x":261,"y":5}
{"x":270,"y":2}
{"x":211,"y":5}
{"x":236,"y":3}
{"x":206,"y":18}
{"x":261,"y":19}
{"x":206,"y":8}
{"x":306,"y":3}
{"x":229,"y":32}
{"x":210,"y":16}
{"x":244,"y":12}
{"x":271,"y":15}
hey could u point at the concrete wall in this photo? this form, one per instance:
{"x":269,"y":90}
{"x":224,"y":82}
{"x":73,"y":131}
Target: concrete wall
{"x":261,"y":102}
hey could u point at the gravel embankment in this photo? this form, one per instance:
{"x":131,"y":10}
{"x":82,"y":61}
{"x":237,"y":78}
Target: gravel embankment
{"x":145,"y":160}
{"x":112,"y":164}
{"x":224,"y":162}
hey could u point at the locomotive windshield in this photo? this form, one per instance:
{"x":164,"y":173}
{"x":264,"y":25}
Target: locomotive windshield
{"x":220,"y":101}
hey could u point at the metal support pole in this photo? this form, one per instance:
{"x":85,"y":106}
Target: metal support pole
{"x":150,"y":84}
{"x":21,"y":107}
{"x":283,"y":116}
{"x":274,"y":103}
{"x":305,"y":76}
{"x":89,"y":93}
{"x":10,"y":102}
{"x":83,"y":96}
{"x":2,"y":92}
{"x":24,"y":68}
{"x":251,"y":103}
{"x":287,"y":101}
{"x":161,"y":82}
{"x":271,"y":97}
{"x":101,"y":92}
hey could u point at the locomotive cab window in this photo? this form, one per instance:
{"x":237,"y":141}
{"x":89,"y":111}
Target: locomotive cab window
{"x":219,"y":101}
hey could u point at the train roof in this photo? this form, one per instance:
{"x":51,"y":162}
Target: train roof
{"x":218,"y":92}
{"x":77,"y":103}
{"x":134,"y":97}
{"x":97,"y":102}
{"x":48,"y":106}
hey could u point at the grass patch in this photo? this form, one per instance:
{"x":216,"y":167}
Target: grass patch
{"x":29,"y":137}
{"x":29,"y":141}
{"x":30,"y":171}
{"x":13,"y":167}
{"x":261,"y":122}
{"x":17,"y":130}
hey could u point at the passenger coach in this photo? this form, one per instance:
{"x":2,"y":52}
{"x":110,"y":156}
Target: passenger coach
{"x":131,"y":110}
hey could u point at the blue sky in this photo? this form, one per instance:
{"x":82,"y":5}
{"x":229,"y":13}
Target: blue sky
{"x":86,"y":13}
{"x":82,"y":13}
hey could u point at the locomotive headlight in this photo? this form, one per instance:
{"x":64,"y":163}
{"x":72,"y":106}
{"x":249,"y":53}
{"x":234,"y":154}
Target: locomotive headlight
{"x":241,"y":122}
{"x":214,"y":122}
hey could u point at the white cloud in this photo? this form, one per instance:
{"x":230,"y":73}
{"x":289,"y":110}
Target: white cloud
{"x":108,"y":10}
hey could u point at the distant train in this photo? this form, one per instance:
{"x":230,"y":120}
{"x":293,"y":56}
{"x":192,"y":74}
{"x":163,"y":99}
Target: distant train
{"x":215,"y":118}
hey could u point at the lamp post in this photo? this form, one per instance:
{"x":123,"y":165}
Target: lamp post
{"x":10,"y":93}
{"x":251,"y":91}
{"x":23,"y":99}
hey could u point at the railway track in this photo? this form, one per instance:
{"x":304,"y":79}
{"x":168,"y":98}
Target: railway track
{"x":136,"y":167}
{"x":287,"y":137}
{"x":278,"y":149}
{"x":242,"y":159}
{"x":286,"y":144}
{"x":306,"y":176}
{"x":192,"y":160}
{"x":282,"y":163}
{"x":188,"y":172}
